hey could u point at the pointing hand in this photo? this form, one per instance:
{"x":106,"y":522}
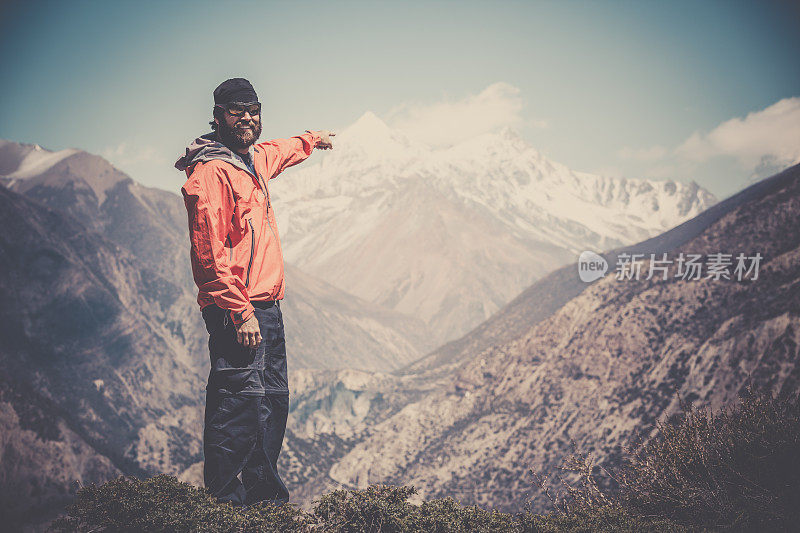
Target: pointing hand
{"x":325,"y":142}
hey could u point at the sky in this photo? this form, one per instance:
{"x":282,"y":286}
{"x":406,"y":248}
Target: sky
{"x":706,"y":91}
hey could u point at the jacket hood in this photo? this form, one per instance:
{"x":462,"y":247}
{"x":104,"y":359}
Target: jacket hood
{"x":207,"y":147}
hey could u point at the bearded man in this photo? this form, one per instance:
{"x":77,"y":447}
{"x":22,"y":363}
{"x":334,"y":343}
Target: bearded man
{"x":237,"y":265}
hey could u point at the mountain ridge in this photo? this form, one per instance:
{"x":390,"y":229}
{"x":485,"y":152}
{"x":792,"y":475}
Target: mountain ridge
{"x":381,"y":217}
{"x":605,"y":363}
{"x":151,"y":223}
{"x":396,"y":427}
{"x":547,"y":295}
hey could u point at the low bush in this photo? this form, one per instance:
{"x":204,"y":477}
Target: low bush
{"x":382,"y":508}
{"x":164,"y":504}
{"x":601,"y":519}
{"x":735,"y":469}
{"x":446,"y":515}
{"x":738,"y":468}
{"x":385,"y":509}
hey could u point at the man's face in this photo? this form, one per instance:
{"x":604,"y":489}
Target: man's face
{"x":239,"y":132}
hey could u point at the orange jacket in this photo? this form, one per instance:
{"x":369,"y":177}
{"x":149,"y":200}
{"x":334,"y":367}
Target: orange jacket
{"x":235,"y":250}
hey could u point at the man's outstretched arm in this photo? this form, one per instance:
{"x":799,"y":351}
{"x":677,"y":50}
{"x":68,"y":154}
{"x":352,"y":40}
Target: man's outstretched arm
{"x":289,"y":152}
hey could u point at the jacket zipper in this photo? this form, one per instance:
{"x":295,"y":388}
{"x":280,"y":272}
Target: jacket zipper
{"x":252,"y":230}
{"x":252,"y":249}
{"x":266,"y":195}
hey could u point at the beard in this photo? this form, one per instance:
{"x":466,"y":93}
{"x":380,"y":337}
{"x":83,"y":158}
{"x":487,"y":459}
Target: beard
{"x":237,"y":138}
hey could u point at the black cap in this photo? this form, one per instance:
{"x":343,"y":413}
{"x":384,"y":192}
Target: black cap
{"x":235,"y":90}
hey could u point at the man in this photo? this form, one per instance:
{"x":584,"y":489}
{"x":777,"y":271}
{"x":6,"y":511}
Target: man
{"x":238,"y":267}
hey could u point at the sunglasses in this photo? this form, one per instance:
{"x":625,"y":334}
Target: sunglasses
{"x":238,"y":110}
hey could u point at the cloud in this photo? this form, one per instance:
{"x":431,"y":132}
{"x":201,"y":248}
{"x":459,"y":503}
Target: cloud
{"x":113,"y":152}
{"x":763,"y":142}
{"x":448,"y":122}
{"x":123,"y":155}
{"x":664,"y":171}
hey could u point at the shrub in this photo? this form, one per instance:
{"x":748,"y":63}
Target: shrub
{"x":385,"y":509}
{"x":447,"y":515}
{"x":736,"y":469}
{"x":381,"y":508}
{"x":162,"y":503}
{"x":601,"y":519}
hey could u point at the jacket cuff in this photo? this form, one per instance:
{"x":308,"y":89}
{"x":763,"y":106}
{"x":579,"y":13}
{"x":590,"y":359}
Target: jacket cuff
{"x":241,"y":317}
{"x":315,"y":137}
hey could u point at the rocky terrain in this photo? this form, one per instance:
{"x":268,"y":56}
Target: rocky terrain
{"x":550,"y":293}
{"x":610,"y":360}
{"x":93,"y":379}
{"x":471,"y":419}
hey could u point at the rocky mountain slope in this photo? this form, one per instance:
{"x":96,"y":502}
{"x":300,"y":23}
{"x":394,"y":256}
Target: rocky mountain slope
{"x":511,"y":396}
{"x":451,"y":235}
{"x":546,"y":296}
{"x":93,"y":380}
{"x":329,"y":328}
{"x":104,"y":353}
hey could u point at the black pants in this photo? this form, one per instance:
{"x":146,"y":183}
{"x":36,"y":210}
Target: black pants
{"x":247,"y":402}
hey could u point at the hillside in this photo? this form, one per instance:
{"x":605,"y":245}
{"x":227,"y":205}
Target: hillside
{"x":104,"y":352}
{"x":334,"y":330}
{"x":553,"y":291}
{"x":607,"y":362}
{"x":93,"y":380}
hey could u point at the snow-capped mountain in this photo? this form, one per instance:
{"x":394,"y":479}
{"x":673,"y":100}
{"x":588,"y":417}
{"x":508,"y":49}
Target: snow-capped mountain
{"x":452,"y":234}
{"x":19,"y":160}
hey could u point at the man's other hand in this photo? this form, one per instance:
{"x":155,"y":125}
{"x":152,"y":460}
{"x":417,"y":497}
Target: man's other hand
{"x":325,"y":142}
{"x":248,"y":333}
